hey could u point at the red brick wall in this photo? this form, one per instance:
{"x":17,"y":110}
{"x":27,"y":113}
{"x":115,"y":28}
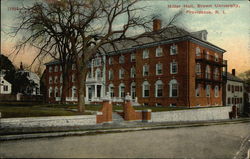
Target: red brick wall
{"x":106,"y":115}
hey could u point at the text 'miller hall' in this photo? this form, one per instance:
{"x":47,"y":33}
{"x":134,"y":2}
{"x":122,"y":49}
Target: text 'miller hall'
{"x":175,"y":68}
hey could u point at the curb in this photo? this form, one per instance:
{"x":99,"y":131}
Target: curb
{"x":116,"y":130}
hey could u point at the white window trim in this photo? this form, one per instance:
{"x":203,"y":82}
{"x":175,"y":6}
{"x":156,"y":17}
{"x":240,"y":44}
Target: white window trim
{"x":216,"y":91}
{"x":208,"y":88}
{"x":173,"y":81}
{"x":143,"y":89}
{"x":157,"y":67}
{"x":158,"y":52}
{"x":157,"y":83}
{"x":144,"y":69}
{"x":171,"y":67}
{"x":198,"y":69}
{"x":111,"y":60}
{"x":172,"y":47}
{"x":198,"y":51}
{"x":120,"y":90}
{"x":132,"y":72}
{"x":113,"y":90}
{"x":111,"y":75}
{"x":132,"y":57}
{"x":121,"y":73}
{"x":133,"y":84}
{"x":121,"y":59}
{"x":145,"y":54}
{"x":198,"y":89}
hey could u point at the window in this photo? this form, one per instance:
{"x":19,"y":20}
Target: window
{"x":111,"y":61}
{"x":73,"y":92}
{"x":97,"y":62}
{"x":132,"y":57}
{"x":73,"y":66}
{"x":173,"y":50}
{"x":56,"y":69}
{"x":50,"y":91}
{"x":173,"y":88}
{"x":197,"y":90}
{"x":56,"y":79}
{"x":132,"y":72}
{"x":60,"y":91}
{"x":198,"y":69}
{"x":208,"y":90}
{"x":145,"y":89}
{"x":158,"y":52}
{"x":56,"y":92}
{"x":216,"y":91}
{"x":198,"y":51}
{"x":121,"y":73}
{"x":216,"y":73}
{"x":98,"y":73}
{"x":145,"y":70}
{"x":228,"y":87}
{"x":73,"y":78}
{"x":208,"y":75}
{"x":158,"y":88}
{"x":61,"y":78}
{"x":173,"y":68}
{"x":50,"y":80}
{"x":121,"y":59}
{"x":145,"y":54}
{"x":216,"y":57}
{"x":50,"y":68}
{"x":159,"y":69}
{"x":122,"y":90}
{"x":232,"y":88}
{"x":60,"y":68}
{"x":111,"y":75}
{"x":133,"y":90}
{"x":111,"y":90}
{"x":5,"y":88}
{"x":240,"y":88}
{"x":228,"y":100}
{"x":207,"y":55}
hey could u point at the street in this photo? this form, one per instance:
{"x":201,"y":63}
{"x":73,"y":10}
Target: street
{"x":217,"y":141}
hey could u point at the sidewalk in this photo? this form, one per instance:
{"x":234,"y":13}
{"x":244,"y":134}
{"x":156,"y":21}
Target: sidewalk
{"x":41,"y":132}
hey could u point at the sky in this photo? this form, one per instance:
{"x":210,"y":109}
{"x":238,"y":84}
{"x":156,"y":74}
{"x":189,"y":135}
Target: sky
{"x":229,"y":30}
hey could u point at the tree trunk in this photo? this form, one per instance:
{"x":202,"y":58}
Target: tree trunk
{"x":65,"y":84}
{"x":81,"y":77}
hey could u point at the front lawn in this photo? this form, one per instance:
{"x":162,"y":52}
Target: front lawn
{"x":35,"y":111}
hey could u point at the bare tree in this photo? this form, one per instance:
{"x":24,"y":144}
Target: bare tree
{"x":77,"y":30}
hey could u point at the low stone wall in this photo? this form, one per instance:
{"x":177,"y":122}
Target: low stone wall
{"x":217,"y":113}
{"x":79,"y":120}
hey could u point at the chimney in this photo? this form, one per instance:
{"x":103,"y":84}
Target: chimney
{"x":233,"y":72}
{"x":156,"y":24}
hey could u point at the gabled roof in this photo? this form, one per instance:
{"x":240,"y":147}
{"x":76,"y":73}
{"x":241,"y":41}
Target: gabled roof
{"x":231,"y":77}
{"x":155,"y":38}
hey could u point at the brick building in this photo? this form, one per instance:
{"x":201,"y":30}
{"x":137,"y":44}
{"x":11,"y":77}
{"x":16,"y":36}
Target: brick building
{"x":174,"y":68}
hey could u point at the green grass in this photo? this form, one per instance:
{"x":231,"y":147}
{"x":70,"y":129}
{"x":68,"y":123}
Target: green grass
{"x":14,"y":111}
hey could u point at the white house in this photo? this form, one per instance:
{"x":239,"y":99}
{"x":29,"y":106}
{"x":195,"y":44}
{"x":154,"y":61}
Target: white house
{"x":5,"y":86}
{"x":234,"y":92}
{"x":33,"y":77}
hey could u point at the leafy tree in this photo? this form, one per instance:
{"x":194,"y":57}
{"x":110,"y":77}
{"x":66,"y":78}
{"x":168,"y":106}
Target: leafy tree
{"x":246,"y":76}
{"x":78,"y":30}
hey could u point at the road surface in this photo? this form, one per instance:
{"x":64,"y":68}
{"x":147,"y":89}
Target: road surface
{"x":217,"y":141}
